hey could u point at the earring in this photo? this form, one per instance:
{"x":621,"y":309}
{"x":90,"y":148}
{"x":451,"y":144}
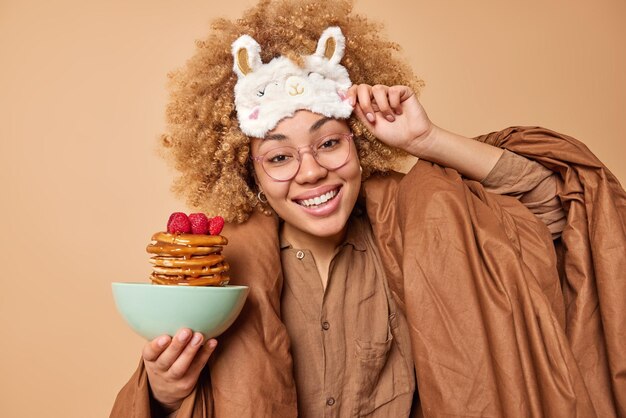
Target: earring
{"x":261,"y":196}
{"x":361,"y":169}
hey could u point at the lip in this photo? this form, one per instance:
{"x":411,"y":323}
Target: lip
{"x":325,"y":209}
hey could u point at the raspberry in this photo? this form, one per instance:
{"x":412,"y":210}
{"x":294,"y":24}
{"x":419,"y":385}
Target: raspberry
{"x":178,"y":223}
{"x":199,"y":223}
{"x":215,"y":225}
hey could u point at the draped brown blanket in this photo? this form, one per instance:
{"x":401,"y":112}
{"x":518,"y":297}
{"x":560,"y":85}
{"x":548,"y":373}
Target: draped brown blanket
{"x":503,"y":322}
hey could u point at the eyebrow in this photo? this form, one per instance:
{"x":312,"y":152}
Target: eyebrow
{"x":319,"y":124}
{"x":316,"y":126}
{"x":275,"y":136}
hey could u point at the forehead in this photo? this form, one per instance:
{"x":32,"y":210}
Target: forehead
{"x":306,"y":123}
{"x":301,"y":129}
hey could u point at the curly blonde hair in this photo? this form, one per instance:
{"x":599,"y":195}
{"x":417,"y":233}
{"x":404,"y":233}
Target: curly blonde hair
{"x":203,"y":139}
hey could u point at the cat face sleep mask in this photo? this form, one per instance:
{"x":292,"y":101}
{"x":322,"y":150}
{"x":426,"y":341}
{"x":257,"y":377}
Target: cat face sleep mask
{"x":267,"y":93}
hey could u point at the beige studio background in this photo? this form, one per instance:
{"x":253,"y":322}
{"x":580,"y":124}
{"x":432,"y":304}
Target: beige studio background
{"x":82,"y":97}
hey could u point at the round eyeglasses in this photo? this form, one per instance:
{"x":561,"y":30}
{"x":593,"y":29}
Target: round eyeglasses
{"x":283,"y":163}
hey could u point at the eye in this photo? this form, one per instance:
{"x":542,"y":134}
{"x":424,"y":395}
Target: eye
{"x":328,"y":144}
{"x":261,"y":92}
{"x":313,"y":74}
{"x":279,"y":156}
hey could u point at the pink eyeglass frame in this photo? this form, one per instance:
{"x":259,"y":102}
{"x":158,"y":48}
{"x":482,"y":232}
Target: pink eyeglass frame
{"x":348,"y":136}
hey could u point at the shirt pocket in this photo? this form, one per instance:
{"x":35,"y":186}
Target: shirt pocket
{"x":381,"y":372}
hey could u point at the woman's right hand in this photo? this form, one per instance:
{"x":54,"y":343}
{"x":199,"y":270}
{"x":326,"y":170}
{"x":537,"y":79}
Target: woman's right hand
{"x":174,"y":365}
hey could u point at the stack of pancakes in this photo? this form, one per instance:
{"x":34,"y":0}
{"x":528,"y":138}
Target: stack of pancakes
{"x":188,"y":259}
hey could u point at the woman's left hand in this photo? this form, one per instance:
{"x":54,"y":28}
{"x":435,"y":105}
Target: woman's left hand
{"x":393,"y":114}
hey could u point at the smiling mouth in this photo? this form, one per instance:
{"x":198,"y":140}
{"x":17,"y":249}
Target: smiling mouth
{"x":318,"y":200}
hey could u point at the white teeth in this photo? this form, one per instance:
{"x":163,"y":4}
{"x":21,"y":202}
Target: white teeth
{"x":318,"y":200}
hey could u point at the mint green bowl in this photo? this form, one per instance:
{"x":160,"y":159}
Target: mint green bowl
{"x":153,"y":310}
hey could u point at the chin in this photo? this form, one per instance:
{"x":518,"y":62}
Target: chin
{"x":322,"y":229}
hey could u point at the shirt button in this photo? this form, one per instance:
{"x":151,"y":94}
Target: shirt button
{"x":300,"y":255}
{"x":325,"y":327}
{"x":330,"y":401}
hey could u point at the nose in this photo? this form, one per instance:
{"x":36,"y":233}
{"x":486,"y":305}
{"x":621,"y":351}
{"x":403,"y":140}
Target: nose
{"x":295,"y":86}
{"x":310,"y":171}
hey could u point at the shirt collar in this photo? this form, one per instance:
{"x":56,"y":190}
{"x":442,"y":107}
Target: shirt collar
{"x":355,"y":235}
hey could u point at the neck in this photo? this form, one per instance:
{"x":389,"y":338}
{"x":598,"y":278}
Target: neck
{"x":322,"y":247}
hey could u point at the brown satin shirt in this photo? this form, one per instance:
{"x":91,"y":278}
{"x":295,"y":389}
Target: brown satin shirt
{"x":350,"y":345}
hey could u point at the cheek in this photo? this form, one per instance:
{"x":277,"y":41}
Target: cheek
{"x":352,"y":170}
{"x":273,"y":190}
{"x":351,"y":175}
{"x":276,"y":192}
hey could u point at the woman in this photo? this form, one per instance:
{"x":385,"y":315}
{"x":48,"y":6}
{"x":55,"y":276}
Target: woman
{"x":361,"y":281}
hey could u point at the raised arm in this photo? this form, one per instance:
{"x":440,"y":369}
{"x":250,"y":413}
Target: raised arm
{"x":397,"y":118}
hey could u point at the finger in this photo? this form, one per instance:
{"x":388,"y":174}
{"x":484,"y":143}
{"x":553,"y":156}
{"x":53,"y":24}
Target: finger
{"x":171,"y":353}
{"x":152,"y":350}
{"x":201,"y":358}
{"x":365,"y":101}
{"x":180,"y":366}
{"x":395,"y":98}
{"x":379,"y":92}
{"x":361,"y":116}
{"x":406,"y":93}
{"x":352,"y":94}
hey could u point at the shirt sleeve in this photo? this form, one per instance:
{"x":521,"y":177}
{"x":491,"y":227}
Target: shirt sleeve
{"x":535,"y":186}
